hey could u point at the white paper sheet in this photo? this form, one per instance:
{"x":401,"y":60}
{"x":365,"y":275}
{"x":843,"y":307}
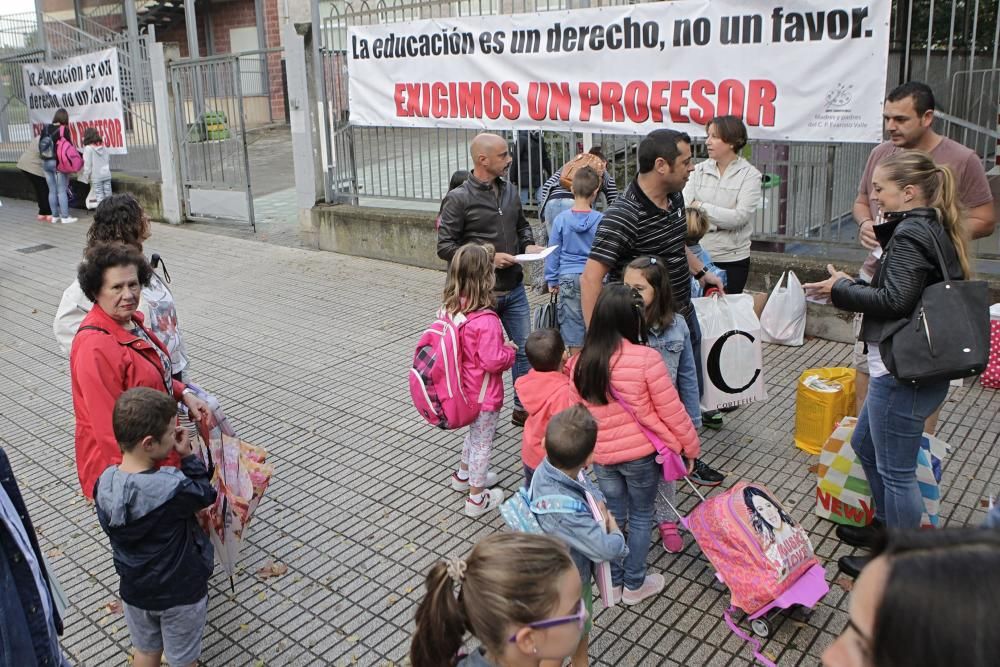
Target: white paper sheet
{"x":534,"y":256}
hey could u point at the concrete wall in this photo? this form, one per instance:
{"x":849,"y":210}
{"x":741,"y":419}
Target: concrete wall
{"x":409,"y":237}
{"x":15,"y":185}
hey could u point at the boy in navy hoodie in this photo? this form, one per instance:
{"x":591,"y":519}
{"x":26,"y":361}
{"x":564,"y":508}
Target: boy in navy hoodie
{"x":573,"y":231}
{"x":161,"y":553}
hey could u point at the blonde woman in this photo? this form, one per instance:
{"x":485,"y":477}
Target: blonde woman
{"x":921,"y":210}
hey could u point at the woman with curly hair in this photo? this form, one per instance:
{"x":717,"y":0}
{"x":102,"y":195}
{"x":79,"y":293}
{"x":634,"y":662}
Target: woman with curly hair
{"x":114,"y":351}
{"x":119,"y":218}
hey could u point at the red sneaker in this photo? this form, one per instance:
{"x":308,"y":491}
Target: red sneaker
{"x":672,"y":540}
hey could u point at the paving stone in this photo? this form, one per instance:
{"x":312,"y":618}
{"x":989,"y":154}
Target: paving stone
{"x":307,"y":351}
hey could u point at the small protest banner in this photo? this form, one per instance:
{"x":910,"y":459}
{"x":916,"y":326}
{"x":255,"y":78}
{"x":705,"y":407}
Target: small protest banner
{"x":88,"y":87}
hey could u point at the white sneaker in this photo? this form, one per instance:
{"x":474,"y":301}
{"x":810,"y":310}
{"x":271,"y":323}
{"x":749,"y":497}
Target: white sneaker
{"x":652,"y":586}
{"x":491,"y":501}
{"x":66,"y":221}
{"x":463,"y":484}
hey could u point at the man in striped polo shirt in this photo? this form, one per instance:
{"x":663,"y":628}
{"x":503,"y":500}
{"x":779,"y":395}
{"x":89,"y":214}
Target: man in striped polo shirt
{"x":648,"y":219}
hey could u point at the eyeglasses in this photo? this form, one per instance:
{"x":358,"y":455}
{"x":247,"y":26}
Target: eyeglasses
{"x":579,"y":618}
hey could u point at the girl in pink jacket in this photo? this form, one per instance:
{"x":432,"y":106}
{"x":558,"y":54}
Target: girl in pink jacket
{"x":469,"y":301}
{"x":615,"y":367}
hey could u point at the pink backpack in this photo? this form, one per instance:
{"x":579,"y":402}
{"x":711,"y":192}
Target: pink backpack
{"x":68,"y":158}
{"x":436,"y":374}
{"x":756,"y":548}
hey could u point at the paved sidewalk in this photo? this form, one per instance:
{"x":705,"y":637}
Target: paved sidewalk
{"x":308,"y":353}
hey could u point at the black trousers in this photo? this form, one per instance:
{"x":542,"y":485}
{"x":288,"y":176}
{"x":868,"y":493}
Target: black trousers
{"x":41,"y":189}
{"x":736,"y":274}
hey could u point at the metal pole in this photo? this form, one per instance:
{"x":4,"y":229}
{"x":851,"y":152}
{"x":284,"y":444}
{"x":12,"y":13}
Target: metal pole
{"x":191,"y":25}
{"x":43,"y":39}
{"x":243,"y":141}
{"x":78,"y":14}
{"x":262,"y":44}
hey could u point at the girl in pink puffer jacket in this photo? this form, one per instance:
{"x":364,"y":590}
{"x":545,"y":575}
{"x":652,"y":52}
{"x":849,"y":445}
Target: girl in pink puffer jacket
{"x":468,"y":299}
{"x":614,"y":366}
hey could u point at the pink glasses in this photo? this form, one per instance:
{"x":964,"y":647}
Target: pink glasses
{"x":579,"y":618}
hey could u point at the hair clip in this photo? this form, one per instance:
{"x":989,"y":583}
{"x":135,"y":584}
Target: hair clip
{"x":652,"y":260}
{"x":456,"y":570}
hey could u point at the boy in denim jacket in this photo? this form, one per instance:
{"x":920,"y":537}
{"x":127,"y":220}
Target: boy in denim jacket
{"x":569,"y":446}
{"x":161,"y":553}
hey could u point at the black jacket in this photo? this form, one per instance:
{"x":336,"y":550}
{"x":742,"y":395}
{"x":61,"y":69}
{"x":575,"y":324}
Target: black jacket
{"x":476,"y":212}
{"x":161,"y":553}
{"x":909,"y":264}
{"x":531,"y":160}
{"x":22,"y":599}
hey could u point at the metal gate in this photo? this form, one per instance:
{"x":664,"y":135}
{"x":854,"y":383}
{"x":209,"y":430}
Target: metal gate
{"x":212,"y":140}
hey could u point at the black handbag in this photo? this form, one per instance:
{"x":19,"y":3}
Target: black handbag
{"x":545,"y":314}
{"x":948,"y":335}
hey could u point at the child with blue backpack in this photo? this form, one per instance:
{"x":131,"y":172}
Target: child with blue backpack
{"x":569,"y":447}
{"x":573,"y":231}
{"x":469,"y":301}
{"x":698,"y":225}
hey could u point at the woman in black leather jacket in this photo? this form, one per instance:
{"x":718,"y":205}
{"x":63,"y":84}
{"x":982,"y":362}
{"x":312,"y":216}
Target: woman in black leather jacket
{"x":919,"y":202}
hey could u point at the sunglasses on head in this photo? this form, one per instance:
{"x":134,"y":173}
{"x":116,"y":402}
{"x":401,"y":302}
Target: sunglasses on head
{"x":580,"y":618}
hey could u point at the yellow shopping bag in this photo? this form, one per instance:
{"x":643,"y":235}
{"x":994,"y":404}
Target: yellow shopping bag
{"x":824,"y":397}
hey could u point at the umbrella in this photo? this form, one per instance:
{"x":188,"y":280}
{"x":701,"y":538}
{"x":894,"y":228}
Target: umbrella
{"x":240,"y":475}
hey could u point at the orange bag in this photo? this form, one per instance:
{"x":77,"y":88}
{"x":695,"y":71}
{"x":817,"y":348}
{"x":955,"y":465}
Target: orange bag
{"x":579,"y":162}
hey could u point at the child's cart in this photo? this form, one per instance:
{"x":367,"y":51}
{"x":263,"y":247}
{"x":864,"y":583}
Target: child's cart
{"x":748,"y":537}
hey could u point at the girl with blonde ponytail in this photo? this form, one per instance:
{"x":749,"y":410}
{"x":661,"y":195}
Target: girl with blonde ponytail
{"x":519,"y":594}
{"x":919,"y":203}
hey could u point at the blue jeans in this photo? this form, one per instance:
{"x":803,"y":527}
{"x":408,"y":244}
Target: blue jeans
{"x":887,"y":439}
{"x":695,"y":329}
{"x":570,"y":311}
{"x":630,"y":491}
{"x":515,"y":315}
{"x":102,"y":189}
{"x":553,"y":207}
{"x":58,"y":183}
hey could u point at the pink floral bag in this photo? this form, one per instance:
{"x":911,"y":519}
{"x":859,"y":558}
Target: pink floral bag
{"x":755,"y":546}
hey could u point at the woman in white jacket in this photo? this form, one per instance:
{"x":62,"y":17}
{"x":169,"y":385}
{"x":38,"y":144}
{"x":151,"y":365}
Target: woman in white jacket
{"x":728,"y":189}
{"x":120,"y":219}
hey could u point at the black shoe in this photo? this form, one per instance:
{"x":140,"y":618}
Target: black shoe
{"x":705,"y":475}
{"x":712,"y":420}
{"x":518,"y":417}
{"x":863,"y":537}
{"x":852,"y":565}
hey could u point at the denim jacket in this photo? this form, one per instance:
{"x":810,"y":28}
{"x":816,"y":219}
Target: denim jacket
{"x":674,"y":345}
{"x":586,"y":538}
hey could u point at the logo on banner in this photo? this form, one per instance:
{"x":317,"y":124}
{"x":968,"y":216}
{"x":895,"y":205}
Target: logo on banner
{"x":838,"y":97}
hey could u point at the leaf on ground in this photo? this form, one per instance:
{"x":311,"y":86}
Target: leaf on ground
{"x":114,"y":606}
{"x":54,"y":553}
{"x":410,"y":546}
{"x":262,"y":596}
{"x":353,"y":638}
{"x":244,"y":627}
{"x":814,"y":468}
{"x":770,"y":656}
{"x":34,"y":311}
{"x":845,"y":583}
{"x":271,"y":569}
{"x":393,"y":600}
{"x":985,"y":503}
{"x":408,"y":590}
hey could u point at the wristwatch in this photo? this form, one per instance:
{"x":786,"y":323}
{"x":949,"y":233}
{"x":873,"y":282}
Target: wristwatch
{"x":701,"y":273}
{"x":187,"y":390}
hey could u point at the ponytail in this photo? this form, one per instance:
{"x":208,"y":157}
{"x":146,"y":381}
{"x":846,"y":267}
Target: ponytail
{"x":950,"y":213}
{"x":440,"y":622}
{"x":937,"y":183}
{"x":509,"y":580}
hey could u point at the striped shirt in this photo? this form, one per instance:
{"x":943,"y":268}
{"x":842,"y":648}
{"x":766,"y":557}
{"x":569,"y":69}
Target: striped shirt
{"x":636,"y":227}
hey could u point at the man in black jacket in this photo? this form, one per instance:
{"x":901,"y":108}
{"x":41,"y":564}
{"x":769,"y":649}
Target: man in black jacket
{"x":487,"y":209}
{"x":29,"y":621}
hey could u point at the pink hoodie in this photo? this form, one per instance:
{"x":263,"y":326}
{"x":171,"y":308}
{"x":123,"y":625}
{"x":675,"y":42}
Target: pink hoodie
{"x":641,"y":378}
{"x":483,"y":351}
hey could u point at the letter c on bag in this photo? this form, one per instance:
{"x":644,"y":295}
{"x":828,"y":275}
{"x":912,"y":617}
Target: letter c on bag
{"x":715,"y":364}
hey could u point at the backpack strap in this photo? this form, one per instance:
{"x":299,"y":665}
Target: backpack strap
{"x":752,"y":641}
{"x":93,"y":328}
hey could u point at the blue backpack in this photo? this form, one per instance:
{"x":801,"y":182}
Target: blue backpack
{"x":519,"y":511}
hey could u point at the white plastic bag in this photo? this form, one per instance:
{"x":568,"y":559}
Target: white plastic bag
{"x":91,"y":199}
{"x":783,"y":320}
{"x":731,"y":353}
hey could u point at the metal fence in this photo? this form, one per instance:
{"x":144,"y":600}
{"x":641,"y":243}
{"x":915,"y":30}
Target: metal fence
{"x":809,"y":188}
{"x":63,"y":41}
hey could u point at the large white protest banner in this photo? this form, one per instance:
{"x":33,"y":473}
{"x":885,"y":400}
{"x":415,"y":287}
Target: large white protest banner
{"x":88,"y":87}
{"x":800,"y":70}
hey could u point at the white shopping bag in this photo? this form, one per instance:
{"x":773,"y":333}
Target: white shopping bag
{"x":731,"y":358}
{"x":783,"y":319}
